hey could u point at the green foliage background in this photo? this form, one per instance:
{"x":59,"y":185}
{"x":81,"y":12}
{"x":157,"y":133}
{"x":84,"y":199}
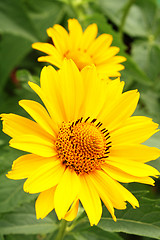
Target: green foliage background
{"x":135,"y":26}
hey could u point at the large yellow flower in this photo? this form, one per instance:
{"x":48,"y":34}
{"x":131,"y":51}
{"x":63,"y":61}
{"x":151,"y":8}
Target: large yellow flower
{"x":83,"y":48}
{"x":83,"y":145}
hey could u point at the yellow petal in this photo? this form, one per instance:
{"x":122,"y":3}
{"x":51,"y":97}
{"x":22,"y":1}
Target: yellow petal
{"x":39,"y":114}
{"x":75,"y":33}
{"x":15,"y":125}
{"x":25,"y":165}
{"x":46,"y":48}
{"x":49,"y":93}
{"x":117,"y":193}
{"x":52,"y":60}
{"x":71,"y":89}
{"x":137,"y":132}
{"x":66,"y":192}
{"x":115,"y":60}
{"x":97,"y":47}
{"x":60,"y":38}
{"x":56,"y":118}
{"x":133,"y":168}
{"x":90,"y":200}
{"x":82,"y":47}
{"x":72,"y":213}
{"x":105,"y":55}
{"x":51,"y":51}
{"x":67,"y":104}
{"x":34,"y":144}
{"x":124,"y":109}
{"x":45,"y":203}
{"x":112,"y":92}
{"x":64,"y":35}
{"x":111,"y":190}
{"x":44,"y":177}
{"x":124,"y":177}
{"x":135,"y":152}
{"x":128,"y":196}
{"x":136,"y":120}
{"x":103,"y":194}
{"x":110,"y":69}
{"x":88,"y":37}
{"x":93,"y":86}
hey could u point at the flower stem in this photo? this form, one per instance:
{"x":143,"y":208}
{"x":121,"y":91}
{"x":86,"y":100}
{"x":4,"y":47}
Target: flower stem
{"x":62,"y":230}
{"x":125,"y":14}
{"x":78,"y":8}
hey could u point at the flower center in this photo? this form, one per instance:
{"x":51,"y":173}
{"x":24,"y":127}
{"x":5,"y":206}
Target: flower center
{"x":82,"y":145}
{"x":80,"y":58}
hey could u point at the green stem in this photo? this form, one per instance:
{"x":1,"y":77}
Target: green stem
{"x":77,"y":9}
{"x":62,"y":230}
{"x":126,"y":10}
{"x":73,"y":8}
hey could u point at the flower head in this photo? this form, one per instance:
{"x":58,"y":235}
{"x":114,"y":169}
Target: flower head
{"x":81,"y":148}
{"x":82,"y":47}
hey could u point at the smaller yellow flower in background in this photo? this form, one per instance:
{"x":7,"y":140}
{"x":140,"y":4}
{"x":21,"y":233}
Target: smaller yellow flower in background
{"x":81,"y":148}
{"x":82,"y":47}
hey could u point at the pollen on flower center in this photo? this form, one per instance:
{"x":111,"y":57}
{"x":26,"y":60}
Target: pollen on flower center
{"x":83,"y":146}
{"x":81,"y":58}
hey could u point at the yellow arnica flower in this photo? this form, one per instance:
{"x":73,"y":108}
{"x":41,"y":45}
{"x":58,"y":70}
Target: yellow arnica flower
{"x":82,"y":47}
{"x":83,"y":145}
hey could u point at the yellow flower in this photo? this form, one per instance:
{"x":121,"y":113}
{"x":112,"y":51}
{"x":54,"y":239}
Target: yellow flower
{"x":83,"y":145}
{"x":83,"y":48}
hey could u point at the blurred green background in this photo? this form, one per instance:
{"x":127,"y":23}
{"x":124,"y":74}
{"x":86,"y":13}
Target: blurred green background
{"x":135,"y":26}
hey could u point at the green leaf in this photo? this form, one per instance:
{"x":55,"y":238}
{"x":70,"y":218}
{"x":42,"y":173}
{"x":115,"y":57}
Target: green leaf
{"x":14,"y":20}
{"x":12,"y":194}
{"x":25,"y":223}
{"x":44,"y":14}
{"x":146,"y":53}
{"x":139,"y":19}
{"x":1,"y":237}
{"x":94,"y":233}
{"x":150,"y":100}
{"x":13,"y":49}
{"x":154,"y":140}
{"x":24,"y":76}
{"x":20,"y":237}
{"x":23,"y":23}
{"x":132,"y":70}
{"x":143,"y":221}
{"x":7,"y":155}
